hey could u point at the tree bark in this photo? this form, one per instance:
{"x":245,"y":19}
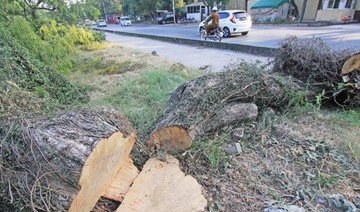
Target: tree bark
{"x":292,"y":2}
{"x":45,"y":158}
{"x":214,"y":101}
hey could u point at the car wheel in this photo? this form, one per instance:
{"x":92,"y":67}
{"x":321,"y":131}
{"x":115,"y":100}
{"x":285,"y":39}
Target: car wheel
{"x":245,"y":33}
{"x":227,"y":32}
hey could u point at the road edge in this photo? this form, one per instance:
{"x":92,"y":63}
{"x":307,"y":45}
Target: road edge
{"x":255,"y":50}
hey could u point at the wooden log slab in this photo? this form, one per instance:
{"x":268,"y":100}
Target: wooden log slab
{"x":163,"y":187}
{"x":100,"y":169}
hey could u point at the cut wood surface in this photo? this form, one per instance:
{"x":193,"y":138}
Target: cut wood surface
{"x":163,"y":187}
{"x":100,"y":169}
{"x":120,"y":185}
{"x":351,"y":64}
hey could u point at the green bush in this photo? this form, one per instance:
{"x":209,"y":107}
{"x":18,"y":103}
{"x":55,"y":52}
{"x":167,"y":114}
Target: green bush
{"x":26,"y":83}
{"x":99,"y":36}
{"x":54,"y":43}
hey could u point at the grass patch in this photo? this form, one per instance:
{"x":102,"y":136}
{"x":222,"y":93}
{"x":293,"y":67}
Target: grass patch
{"x":122,"y":67}
{"x":141,"y":98}
{"x":352,"y":116}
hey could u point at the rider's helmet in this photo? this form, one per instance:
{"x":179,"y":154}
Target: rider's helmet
{"x":214,"y":9}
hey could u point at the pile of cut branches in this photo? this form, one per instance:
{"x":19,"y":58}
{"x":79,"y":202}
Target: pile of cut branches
{"x":315,"y":63}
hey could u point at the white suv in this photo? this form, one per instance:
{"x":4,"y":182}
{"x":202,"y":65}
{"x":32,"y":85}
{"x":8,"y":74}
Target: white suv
{"x":232,"y":22}
{"x":125,"y":21}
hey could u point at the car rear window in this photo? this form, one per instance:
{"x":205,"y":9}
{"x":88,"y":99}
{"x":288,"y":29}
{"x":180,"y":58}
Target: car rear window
{"x":126,"y":19}
{"x":241,"y":16}
{"x":223,"y":15}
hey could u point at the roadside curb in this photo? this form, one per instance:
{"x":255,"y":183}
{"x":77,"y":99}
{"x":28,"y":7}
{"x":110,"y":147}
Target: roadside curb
{"x":255,"y":50}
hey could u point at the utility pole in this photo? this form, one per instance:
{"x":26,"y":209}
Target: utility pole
{"x":246,"y":5}
{"x":173,"y":1}
{"x":102,"y":1}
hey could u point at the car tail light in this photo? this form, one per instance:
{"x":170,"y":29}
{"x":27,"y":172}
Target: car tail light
{"x":232,"y":19}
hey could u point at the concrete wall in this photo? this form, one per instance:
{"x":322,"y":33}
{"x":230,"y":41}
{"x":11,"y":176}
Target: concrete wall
{"x":264,"y":14}
{"x":311,"y":8}
{"x":334,"y":15}
{"x":240,"y":5}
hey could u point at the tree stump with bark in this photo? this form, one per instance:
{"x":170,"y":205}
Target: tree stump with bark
{"x":68,"y":161}
{"x":208,"y":103}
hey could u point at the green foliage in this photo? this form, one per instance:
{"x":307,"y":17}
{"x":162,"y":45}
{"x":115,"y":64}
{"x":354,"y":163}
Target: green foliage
{"x":324,"y":180}
{"x":54,"y":42}
{"x":211,"y":150}
{"x":319,"y":99}
{"x":99,"y":36}
{"x":27,"y":82}
{"x":299,"y":101}
{"x":352,"y":116}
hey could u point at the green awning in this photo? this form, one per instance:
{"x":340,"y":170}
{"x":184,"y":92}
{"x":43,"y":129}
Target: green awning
{"x":268,"y":4}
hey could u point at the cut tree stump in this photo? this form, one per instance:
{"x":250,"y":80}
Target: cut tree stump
{"x":163,"y":187}
{"x":71,"y":159}
{"x":209,"y":103}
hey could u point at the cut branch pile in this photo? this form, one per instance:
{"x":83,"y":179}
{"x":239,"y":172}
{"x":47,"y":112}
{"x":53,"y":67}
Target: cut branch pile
{"x":313,"y":62}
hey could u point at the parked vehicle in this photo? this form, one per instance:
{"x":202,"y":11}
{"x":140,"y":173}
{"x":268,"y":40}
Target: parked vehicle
{"x":167,"y":19}
{"x":101,"y":23}
{"x":88,"y":23}
{"x":215,"y":34}
{"x":125,"y":21}
{"x":232,"y":22}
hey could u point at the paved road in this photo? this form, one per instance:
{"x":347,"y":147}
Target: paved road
{"x":337,"y":36}
{"x":192,"y":56}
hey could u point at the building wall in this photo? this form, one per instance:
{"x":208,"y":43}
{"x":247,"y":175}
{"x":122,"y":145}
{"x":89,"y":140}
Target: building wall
{"x":240,"y":5}
{"x":333,"y":15}
{"x":270,"y":14}
{"x":337,"y":14}
{"x":311,"y":8}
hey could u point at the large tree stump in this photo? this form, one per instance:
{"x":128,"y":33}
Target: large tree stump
{"x":213,"y":101}
{"x":50,"y":158}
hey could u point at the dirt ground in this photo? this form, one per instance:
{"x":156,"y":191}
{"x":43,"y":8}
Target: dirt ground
{"x":287,"y":162}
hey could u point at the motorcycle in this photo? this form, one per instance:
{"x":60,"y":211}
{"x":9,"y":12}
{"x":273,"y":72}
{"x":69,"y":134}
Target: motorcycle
{"x":215,"y":34}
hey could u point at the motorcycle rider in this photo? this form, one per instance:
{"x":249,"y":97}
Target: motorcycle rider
{"x":215,"y":21}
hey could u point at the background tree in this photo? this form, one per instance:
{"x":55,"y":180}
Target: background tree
{"x":211,"y":3}
{"x":296,"y":9}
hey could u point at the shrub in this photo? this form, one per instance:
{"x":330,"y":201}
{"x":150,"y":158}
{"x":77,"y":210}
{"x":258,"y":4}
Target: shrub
{"x":28,"y":84}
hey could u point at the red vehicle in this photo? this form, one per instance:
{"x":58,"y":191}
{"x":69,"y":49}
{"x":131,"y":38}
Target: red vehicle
{"x":114,"y":19}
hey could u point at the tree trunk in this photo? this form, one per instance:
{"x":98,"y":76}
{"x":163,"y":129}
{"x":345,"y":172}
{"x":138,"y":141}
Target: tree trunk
{"x":211,"y":102}
{"x":48,"y":159}
{"x":292,"y":2}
